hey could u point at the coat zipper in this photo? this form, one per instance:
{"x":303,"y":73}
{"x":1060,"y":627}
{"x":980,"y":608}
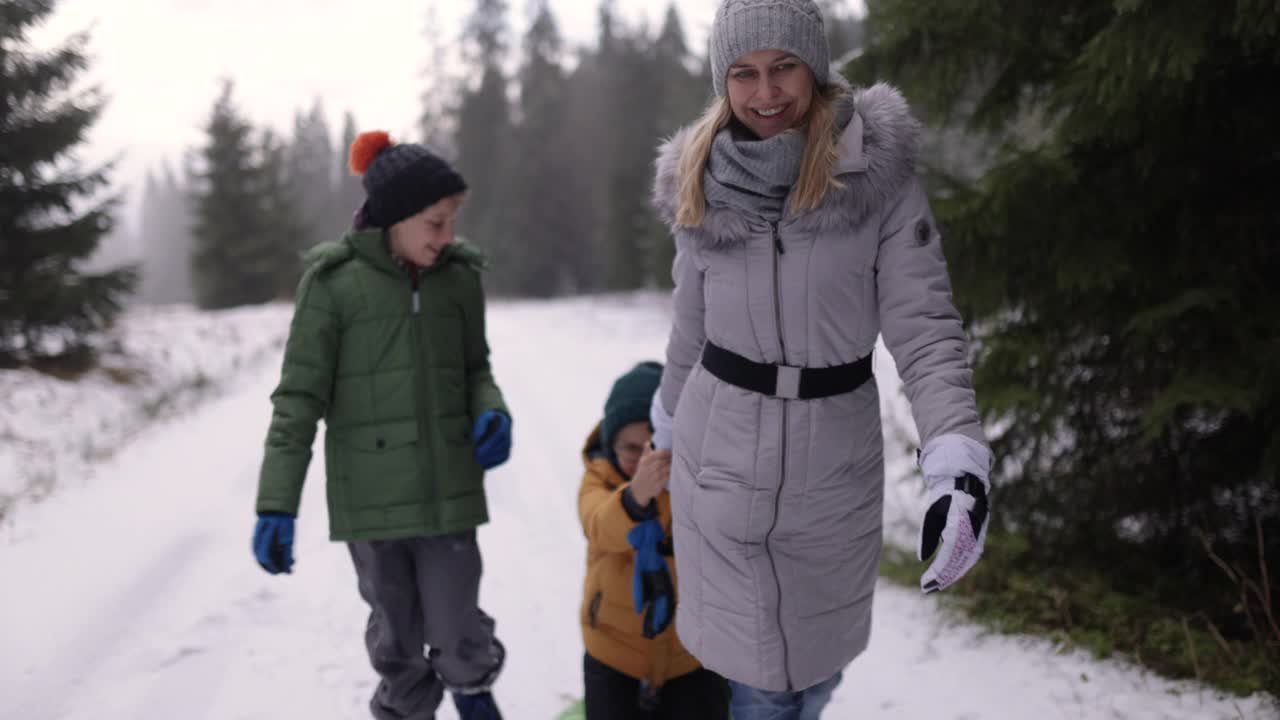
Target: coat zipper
{"x":415,"y":308}
{"x":782,"y":448}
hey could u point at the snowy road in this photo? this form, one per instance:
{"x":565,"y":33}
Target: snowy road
{"x":135,"y":596}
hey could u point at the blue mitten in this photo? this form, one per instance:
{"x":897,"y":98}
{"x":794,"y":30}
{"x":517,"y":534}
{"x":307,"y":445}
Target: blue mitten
{"x":491,"y":436}
{"x":651,"y":587}
{"x":273,"y":542}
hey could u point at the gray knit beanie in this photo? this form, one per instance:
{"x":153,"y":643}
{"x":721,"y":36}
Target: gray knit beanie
{"x":742,"y":27}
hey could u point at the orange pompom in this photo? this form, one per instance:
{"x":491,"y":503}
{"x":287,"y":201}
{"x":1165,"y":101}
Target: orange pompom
{"x":365,"y":148}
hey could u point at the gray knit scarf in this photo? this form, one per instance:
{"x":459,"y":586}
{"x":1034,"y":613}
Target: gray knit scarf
{"x":755,"y":176}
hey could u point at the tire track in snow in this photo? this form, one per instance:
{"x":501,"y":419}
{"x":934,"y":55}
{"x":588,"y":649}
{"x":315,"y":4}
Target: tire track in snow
{"x":105,"y":634}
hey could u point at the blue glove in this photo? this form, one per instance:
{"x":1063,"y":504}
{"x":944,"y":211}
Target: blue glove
{"x":273,"y":542}
{"x":651,"y":588}
{"x":491,"y":436}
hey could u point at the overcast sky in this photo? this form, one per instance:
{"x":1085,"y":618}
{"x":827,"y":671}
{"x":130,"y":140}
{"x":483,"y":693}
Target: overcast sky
{"x":160,"y":61}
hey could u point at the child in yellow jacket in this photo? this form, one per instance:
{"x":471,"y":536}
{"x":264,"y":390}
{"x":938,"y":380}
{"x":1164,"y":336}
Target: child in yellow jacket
{"x":635,"y":666}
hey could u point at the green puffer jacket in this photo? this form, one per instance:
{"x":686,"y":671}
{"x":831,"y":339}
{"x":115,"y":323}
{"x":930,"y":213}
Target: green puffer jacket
{"x":398,"y":374}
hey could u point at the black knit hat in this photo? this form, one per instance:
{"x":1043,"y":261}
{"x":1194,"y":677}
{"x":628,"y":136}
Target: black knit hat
{"x":400,"y":179}
{"x":629,"y":401}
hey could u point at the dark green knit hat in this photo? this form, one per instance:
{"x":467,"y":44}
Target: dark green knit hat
{"x":629,"y":401}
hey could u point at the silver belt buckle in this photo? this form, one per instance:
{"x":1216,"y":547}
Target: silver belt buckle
{"x":788,"y":383}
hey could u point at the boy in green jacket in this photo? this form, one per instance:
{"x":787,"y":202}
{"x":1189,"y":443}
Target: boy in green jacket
{"x":388,"y":346}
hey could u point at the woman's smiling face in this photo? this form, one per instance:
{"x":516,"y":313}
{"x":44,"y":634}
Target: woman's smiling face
{"x":769,"y":91}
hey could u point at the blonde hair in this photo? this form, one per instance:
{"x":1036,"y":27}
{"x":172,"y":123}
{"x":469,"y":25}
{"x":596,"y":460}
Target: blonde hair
{"x":817,"y":168}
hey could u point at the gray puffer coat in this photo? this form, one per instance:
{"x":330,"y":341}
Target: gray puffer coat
{"x":777,"y":503}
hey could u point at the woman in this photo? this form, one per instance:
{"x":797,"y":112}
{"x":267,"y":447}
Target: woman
{"x":634,"y":666}
{"x":801,"y":233}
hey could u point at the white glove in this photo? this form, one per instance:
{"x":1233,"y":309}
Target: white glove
{"x":955,"y":469}
{"x":660,"y":419}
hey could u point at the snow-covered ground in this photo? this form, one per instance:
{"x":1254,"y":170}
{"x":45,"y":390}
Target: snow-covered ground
{"x":129,"y":592}
{"x":157,"y":363}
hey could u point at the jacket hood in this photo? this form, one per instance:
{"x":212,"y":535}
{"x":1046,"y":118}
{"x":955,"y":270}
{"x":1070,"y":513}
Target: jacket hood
{"x":593,"y":448}
{"x":369,"y":245}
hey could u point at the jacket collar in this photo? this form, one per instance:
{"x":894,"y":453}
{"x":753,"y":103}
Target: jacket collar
{"x":371,"y":246}
{"x":851,"y":159}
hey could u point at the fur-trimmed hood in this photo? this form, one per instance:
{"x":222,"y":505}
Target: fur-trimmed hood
{"x":878,"y":151}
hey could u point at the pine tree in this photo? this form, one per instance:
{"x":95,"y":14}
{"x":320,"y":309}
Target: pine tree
{"x":548,"y":257}
{"x":592,"y":150}
{"x":484,"y":134}
{"x":562,"y":180}
{"x":683,"y":93}
{"x":436,"y":123}
{"x":844,"y":28}
{"x":310,"y":177}
{"x":607,"y":21}
{"x":166,"y":240}
{"x":616,"y":127}
{"x":631,"y":230}
{"x":52,"y":214}
{"x":1118,"y":261}
{"x":236,"y":261}
{"x":348,"y":193}
{"x":284,"y":227}
{"x":147,"y":287}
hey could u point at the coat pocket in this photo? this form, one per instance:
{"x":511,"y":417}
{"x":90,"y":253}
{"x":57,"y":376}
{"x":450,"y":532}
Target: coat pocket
{"x":380,"y":463}
{"x":867,"y":312}
{"x":455,"y":430}
{"x":835,"y":577}
{"x":593,"y":609}
{"x":381,"y":438}
{"x":455,"y":471}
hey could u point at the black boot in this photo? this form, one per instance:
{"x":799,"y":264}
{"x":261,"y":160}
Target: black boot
{"x":477,"y":706}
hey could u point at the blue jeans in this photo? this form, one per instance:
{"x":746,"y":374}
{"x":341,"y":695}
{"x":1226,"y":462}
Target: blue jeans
{"x":749,"y":703}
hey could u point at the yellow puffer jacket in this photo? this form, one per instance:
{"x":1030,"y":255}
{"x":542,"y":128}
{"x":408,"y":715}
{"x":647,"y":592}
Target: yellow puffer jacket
{"x":611,"y":627}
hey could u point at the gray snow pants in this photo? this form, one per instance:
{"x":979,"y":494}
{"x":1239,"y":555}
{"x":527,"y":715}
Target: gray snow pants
{"x":426,"y":630}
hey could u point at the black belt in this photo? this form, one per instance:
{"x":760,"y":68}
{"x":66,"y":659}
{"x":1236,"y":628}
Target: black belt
{"x":784,"y":381}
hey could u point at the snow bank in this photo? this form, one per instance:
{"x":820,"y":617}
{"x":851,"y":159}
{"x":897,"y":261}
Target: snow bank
{"x":155,"y":364}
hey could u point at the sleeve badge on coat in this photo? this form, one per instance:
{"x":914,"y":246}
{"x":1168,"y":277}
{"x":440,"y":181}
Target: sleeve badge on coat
{"x":923,"y":233}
